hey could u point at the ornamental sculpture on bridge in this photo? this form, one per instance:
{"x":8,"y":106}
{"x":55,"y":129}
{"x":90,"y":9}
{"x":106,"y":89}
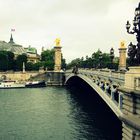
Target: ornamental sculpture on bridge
{"x":134,"y":50}
{"x":57,"y":42}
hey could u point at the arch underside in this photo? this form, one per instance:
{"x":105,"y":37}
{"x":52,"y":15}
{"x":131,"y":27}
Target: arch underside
{"x":112,"y":105}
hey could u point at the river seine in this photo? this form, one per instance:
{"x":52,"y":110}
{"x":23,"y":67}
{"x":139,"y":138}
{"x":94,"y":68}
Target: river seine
{"x":55,"y":113}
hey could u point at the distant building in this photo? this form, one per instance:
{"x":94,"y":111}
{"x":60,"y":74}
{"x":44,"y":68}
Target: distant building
{"x":17,"y":49}
{"x":11,"y":46}
{"x":32,"y":54}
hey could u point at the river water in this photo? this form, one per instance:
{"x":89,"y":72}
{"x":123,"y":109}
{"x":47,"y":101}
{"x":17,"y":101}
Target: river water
{"x":55,"y":113}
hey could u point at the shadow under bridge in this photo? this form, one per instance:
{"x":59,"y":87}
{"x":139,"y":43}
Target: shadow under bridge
{"x":112,"y":98}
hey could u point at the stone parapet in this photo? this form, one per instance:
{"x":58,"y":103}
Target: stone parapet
{"x":132,"y":78}
{"x":131,"y":101}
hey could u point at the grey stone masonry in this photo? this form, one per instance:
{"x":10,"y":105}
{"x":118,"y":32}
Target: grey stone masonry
{"x":131,"y":114}
{"x":131,"y":102}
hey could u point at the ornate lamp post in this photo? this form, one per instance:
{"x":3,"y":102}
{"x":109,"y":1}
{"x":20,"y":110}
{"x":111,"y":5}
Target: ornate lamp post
{"x":111,"y":55}
{"x":100,"y":58}
{"x":93,"y":60}
{"x":134,"y":50}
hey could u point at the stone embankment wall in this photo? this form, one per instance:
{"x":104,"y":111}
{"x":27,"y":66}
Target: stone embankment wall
{"x":51,"y":77}
{"x":19,"y":76}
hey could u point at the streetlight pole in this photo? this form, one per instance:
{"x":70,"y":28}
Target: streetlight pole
{"x":93,"y":59}
{"x":111,"y":56}
{"x":134,"y":50}
{"x":100,"y":58}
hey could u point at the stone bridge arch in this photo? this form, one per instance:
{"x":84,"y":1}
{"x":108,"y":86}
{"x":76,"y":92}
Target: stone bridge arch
{"x":110,"y":101}
{"x":127,"y":105}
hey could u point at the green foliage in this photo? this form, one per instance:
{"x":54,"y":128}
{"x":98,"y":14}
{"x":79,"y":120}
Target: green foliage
{"x":29,"y":66}
{"x":47,"y":58}
{"x":95,"y":61}
{"x":3,"y":61}
{"x":33,"y":66}
{"x":47,"y":55}
{"x":73,"y":63}
{"x":6,"y":60}
{"x":37,"y":65}
{"x":63,"y":65}
{"x":10,"y":60}
{"x":19,"y":61}
{"x":49,"y":65}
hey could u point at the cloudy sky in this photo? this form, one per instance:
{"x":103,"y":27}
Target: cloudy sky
{"x":82,"y":25}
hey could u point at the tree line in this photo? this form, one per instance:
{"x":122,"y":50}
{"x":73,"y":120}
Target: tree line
{"x":96,"y":60}
{"x":8,"y":61}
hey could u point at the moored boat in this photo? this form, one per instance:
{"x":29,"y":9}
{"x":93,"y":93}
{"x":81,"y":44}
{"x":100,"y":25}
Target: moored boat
{"x":8,"y":84}
{"x":34,"y":84}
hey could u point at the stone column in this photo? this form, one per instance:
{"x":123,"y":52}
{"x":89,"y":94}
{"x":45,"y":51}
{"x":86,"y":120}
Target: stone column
{"x":23,"y":67}
{"x":122,"y":57}
{"x":58,"y":55}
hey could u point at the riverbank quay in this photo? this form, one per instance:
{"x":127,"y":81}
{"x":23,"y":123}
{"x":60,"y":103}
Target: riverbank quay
{"x":52,"y":78}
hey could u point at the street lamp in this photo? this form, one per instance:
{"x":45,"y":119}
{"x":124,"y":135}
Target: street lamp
{"x":131,"y":53}
{"x":135,"y":53}
{"x":93,"y":60}
{"x":100,"y":58}
{"x":111,"y":55}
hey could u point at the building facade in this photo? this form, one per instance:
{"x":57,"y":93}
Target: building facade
{"x":17,"y":49}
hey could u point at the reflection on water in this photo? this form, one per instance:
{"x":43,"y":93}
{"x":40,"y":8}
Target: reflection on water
{"x":55,"y":113}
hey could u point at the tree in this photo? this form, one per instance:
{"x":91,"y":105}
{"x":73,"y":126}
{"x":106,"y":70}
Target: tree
{"x":6,"y":60}
{"x":97,"y":59}
{"x":29,"y":66}
{"x":47,"y":57}
{"x":3,"y":61}
{"x":19,"y":61}
{"x":74,"y":63}
{"x":11,"y":60}
{"x":37,"y":65}
{"x":63,"y":65}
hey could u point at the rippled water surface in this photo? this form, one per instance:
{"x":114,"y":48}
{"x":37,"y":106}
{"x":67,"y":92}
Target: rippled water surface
{"x":55,"y":113}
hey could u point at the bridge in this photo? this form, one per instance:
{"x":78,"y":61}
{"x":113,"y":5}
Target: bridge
{"x":113,"y":88}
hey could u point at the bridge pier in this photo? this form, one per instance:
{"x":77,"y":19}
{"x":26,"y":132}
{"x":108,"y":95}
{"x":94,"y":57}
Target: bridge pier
{"x":55,"y":78}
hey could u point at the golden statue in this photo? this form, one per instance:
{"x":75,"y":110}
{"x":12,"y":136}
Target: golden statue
{"x":57,"y":42}
{"x":122,"y":44}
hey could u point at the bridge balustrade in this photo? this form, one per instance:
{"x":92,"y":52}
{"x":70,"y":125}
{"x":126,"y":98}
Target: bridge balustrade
{"x":100,"y":79}
{"x":114,"y":75}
